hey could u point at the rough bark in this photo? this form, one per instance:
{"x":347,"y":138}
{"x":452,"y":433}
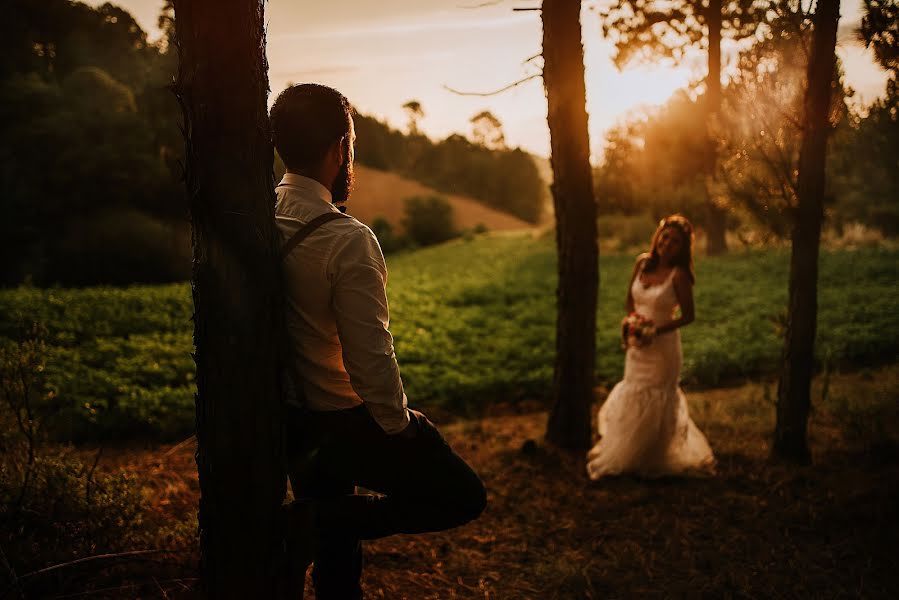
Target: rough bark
{"x":716,"y":217}
{"x":793,"y":393}
{"x":223,"y":88}
{"x":575,"y":208}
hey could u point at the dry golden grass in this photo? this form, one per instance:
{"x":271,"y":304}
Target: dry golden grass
{"x":381,"y":194}
{"x":756,"y":530}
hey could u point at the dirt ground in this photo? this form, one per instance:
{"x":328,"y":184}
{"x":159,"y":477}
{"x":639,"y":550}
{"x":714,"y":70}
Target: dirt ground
{"x":756,"y":530}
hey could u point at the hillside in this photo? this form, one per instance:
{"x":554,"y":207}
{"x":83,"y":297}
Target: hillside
{"x":381,"y":194}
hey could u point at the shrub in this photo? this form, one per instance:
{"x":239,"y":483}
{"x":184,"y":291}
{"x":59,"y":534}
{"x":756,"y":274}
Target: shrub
{"x":429,"y":220}
{"x":52,"y":505}
{"x":389,"y":241}
{"x":118,"y":247}
{"x":625,"y":232}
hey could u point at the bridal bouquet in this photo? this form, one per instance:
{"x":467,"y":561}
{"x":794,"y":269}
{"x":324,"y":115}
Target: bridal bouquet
{"x":636,"y":330}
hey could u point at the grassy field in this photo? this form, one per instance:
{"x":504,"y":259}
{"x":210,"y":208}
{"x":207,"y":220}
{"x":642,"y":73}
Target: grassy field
{"x":474,"y":323}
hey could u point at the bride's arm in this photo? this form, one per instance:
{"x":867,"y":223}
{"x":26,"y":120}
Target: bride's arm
{"x":629,"y":303}
{"x":683,"y":289}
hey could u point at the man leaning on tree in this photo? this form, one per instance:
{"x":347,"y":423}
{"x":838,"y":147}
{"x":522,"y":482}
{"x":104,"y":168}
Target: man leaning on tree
{"x":354,"y":427}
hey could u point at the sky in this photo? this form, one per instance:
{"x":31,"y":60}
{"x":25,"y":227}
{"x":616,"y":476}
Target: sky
{"x":383,"y":53}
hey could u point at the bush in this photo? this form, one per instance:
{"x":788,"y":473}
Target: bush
{"x":52,"y":505}
{"x":625,"y":232}
{"x":119,"y":247}
{"x":429,"y":220}
{"x":389,"y":241}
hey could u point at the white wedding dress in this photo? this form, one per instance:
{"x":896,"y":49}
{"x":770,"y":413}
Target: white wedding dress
{"x":644,"y":423}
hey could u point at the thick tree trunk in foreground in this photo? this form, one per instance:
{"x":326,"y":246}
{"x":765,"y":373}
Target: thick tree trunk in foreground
{"x":223,"y":88}
{"x":716,"y":217}
{"x":793,"y":392}
{"x":575,"y":207}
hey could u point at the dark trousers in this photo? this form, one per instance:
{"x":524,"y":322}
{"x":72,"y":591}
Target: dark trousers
{"x":422,"y":485}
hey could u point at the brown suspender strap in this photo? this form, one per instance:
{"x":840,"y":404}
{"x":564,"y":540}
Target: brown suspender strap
{"x":308,"y":228}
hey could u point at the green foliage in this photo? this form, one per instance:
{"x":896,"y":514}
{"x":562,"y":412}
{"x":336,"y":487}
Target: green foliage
{"x":119,"y":247}
{"x":504,"y":179}
{"x":649,"y":30}
{"x":880,"y":29}
{"x":49,"y":498}
{"x":118,"y":361}
{"x":87,"y":128}
{"x":656,"y":163}
{"x":487,"y":130}
{"x":474,"y":324}
{"x":388,"y":240}
{"x":619,"y":232}
{"x":867,"y":191}
{"x":71,"y":511}
{"x":93,"y":88}
{"x":428,"y":220}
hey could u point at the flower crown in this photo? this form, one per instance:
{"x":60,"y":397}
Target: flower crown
{"x":678,"y":221}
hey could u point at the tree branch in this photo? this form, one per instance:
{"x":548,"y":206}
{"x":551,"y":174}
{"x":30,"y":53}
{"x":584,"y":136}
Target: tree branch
{"x":481,"y":5}
{"x":494,"y":92}
{"x":78,"y":561}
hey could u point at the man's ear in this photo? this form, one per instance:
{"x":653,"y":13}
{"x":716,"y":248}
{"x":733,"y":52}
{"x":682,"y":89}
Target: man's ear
{"x":337,"y":152}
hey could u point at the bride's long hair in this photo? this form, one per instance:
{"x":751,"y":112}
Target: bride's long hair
{"x":685,"y":258}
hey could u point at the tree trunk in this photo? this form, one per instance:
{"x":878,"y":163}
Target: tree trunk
{"x":793,"y":392}
{"x":575,"y":207}
{"x":223,"y":87}
{"x":716,"y":217}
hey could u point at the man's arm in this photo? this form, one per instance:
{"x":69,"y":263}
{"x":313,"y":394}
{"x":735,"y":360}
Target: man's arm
{"x":359,"y":299}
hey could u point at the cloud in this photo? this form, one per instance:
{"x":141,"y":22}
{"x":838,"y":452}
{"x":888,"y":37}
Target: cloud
{"x":433,"y":23}
{"x":317,"y":72}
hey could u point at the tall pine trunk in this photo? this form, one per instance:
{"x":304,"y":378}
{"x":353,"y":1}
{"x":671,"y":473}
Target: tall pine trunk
{"x":716,"y":216}
{"x":793,"y":392}
{"x":575,"y":207}
{"x":223,"y":87}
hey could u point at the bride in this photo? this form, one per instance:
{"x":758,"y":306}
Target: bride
{"x":644,"y":423}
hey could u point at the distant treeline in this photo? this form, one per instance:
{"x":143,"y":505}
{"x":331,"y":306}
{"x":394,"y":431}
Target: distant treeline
{"x":504,"y":179}
{"x":91,"y":151}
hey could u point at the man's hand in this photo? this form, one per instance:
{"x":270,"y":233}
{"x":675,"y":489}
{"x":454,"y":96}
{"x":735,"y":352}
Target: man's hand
{"x":418,"y":426}
{"x":411,"y":430}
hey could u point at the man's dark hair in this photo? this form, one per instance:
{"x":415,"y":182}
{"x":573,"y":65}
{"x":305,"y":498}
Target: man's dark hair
{"x":307,"y":119}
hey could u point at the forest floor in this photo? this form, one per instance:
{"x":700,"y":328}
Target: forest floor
{"x":756,"y":530}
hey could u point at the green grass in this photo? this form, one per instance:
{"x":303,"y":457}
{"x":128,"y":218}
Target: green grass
{"x":474,"y":323}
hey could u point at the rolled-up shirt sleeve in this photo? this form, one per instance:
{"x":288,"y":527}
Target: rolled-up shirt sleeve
{"x":359,"y":298}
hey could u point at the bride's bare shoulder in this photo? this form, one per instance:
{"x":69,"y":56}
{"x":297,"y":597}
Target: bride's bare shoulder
{"x":638,"y":265}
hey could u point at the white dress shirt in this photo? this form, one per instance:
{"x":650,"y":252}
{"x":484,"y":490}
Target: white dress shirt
{"x":337,"y":312}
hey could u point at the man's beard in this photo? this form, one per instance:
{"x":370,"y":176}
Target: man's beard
{"x":343,"y":185}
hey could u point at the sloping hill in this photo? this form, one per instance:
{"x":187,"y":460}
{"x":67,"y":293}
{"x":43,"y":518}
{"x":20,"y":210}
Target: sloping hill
{"x":381,"y":194}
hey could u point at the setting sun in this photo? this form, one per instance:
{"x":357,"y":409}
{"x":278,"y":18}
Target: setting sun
{"x":384,"y":54}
